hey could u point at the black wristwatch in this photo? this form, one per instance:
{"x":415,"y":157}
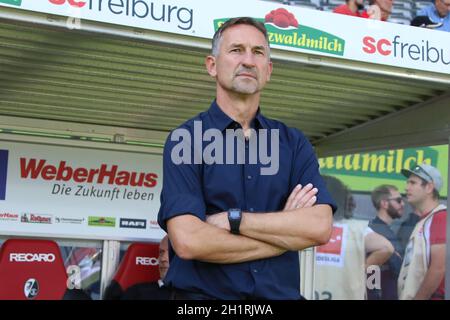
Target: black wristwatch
{"x":234,"y":217}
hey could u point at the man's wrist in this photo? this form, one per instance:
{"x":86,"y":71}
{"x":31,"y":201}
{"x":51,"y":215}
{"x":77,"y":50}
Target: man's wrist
{"x":234,"y":218}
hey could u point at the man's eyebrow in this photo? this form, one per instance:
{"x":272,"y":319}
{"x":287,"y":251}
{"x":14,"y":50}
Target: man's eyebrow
{"x":260,"y":48}
{"x":234,"y":45}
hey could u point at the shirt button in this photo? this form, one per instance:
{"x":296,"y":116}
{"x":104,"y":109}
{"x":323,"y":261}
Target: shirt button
{"x":249,"y":177}
{"x":255,"y":271}
{"x":251,"y":209}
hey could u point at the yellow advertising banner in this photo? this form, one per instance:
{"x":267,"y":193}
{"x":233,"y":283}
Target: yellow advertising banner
{"x":365,"y":171}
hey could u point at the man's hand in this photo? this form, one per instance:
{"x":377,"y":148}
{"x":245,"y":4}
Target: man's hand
{"x":301,"y":197}
{"x":219,"y":220}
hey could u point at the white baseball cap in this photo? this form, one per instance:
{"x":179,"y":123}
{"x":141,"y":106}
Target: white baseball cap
{"x":427,"y":173}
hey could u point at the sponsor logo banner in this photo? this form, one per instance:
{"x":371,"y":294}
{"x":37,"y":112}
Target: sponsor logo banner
{"x":69,"y":220}
{"x":154,"y":224}
{"x":290,"y":28}
{"x":36,"y":218}
{"x":133,"y":223}
{"x":12,"y":2}
{"x":63,"y":185}
{"x":9,"y":216}
{"x":363,"y":172}
{"x":284,"y":30}
{"x":102,"y":222}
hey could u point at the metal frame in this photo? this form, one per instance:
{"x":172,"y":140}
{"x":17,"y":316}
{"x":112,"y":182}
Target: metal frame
{"x":447,"y":266}
{"x":110,"y":262}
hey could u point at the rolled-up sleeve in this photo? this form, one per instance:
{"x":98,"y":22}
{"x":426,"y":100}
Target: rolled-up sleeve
{"x":182,"y":189}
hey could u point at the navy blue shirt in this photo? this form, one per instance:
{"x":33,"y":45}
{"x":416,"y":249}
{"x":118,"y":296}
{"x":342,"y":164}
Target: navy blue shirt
{"x":204,"y":189}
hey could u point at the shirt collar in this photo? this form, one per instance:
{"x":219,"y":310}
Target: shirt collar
{"x":378,"y":220}
{"x":222,"y":121}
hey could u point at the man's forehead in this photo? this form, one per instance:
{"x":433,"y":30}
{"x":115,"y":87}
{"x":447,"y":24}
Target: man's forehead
{"x":414,"y":178}
{"x":239,"y":33}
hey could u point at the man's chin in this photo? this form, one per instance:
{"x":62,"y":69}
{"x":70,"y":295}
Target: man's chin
{"x":245,"y":90}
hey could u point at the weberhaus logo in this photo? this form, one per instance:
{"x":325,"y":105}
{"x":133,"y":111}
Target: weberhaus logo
{"x":284,"y":29}
{"x":12,"y":2}
{"x":3,"y":173}
{"x":9,"y":216}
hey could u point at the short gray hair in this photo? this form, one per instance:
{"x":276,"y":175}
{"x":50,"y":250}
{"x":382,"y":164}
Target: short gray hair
{"x":233,"y":22}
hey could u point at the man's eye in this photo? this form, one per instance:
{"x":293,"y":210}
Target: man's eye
{"x":235,"y":50}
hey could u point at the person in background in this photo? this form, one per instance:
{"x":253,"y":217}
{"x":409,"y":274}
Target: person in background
{"x":438,"y":12}
{"x":406,"y":228}
{"x":422,"y":276}
{"x":353,"y":8}
{"x":352,"y":252}
{"x":389,"y":204}
{"x":380,"y":9}
{"x":155,"y":290}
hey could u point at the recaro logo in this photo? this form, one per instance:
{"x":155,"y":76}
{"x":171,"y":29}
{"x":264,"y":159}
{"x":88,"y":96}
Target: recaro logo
{"x":12,"y":2}
{"x":3,"y":173}
{"x":146,"y":261}
{"x":73,"y":3}
{"x":32,"y":257}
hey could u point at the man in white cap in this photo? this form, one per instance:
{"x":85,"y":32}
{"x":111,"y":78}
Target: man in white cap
{"x":423,"y":269}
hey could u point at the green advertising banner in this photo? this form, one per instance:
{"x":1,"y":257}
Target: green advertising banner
{"x":297,"y":36}
{"x":362,"y":172}
{"x":12,"y":2}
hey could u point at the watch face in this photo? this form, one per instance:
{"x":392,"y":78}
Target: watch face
{"x":234,"y":214}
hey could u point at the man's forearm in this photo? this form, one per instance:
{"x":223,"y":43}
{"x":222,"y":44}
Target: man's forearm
{"x":197,"y":240}
{"x":292,"y":230}
{"x":430,"y":284}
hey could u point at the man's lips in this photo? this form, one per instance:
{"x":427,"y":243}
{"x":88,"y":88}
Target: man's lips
{"x":248,"y":75}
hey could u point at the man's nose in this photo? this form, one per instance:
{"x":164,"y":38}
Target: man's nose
{"x":248,"y":59}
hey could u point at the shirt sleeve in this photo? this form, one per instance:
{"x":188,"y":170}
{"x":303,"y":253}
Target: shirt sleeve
{"x":438,"y":228}
{"x":182,"y":188}
{"x":368,"y":230}
{"x":422,"y":12}
{"x":306,"y":170}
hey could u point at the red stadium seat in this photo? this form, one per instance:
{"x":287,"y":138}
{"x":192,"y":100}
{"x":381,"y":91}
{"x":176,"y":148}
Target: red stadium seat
{"x":31,"y":270}
{"x":139,"y":265}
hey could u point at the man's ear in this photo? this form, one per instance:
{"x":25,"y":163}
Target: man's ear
{"x":429,"y":187}
{"x":210,"y":63}
{"x":269,"y":71}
